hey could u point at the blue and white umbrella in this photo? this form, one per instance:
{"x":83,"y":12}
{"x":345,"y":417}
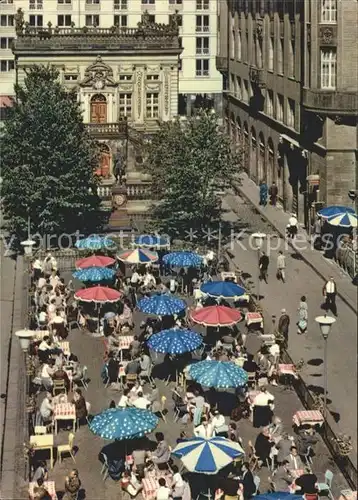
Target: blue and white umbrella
{"x":152,"y":241}
{"x":183,"y":259}
{"x":175,"y":341}
{"x":207,"y":456}
{"x":96,"y":242}
{"x":278,"y":495}
{"x":344,"y":219}
{"x":123,"y":423}
{"x":161,"y":304}
{"x":94,"y":274}
{"x":218,"y":374}
{"x":224,"y":289}
{"x":334,"y":210}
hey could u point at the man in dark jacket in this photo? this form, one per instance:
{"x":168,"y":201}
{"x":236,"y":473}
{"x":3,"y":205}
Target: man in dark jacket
{"x":263,"y":264}
{"x":307,"y":483}
{"x":247,"y":481}
{"x":284,"y":325}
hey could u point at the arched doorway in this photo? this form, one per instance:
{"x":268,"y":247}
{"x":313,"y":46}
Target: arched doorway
{"x":271,"y":172}
{"x":253,"y":159}
{"x":98,"y":109}
{"x":261,"y":170}
{"x":105,"y":161}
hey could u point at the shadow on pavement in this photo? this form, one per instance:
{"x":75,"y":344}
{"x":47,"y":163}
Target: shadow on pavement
{"x":315,"y":362}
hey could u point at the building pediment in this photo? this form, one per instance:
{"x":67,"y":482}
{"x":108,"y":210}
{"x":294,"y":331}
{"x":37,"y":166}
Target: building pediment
{"x":98,"y":75}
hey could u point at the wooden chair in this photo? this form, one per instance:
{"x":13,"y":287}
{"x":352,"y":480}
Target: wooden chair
{"x":59,"y":386}
{"x":131,"y":378}
{"x":253,"y":458}
{"x":66,"y":448}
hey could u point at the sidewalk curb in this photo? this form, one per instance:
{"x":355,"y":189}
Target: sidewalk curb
{"x":238,"y":190}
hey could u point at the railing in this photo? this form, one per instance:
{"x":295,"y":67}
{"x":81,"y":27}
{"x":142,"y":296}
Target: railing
{"x":202,"y":72}
{"x":138,"y":192}
{"x":117,"y":129}
{"x":334,"y":101}
{"x":347,"y":258}
{"x":202,"y":29}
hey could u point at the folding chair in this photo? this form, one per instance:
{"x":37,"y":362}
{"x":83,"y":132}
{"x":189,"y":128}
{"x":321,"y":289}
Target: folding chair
{"x":307,"y":457}
{"x":83,"y":380}
{"x":257,"y":482}
{"x":67,"y":448}
{"x":104,"y":470}
{"x":163,"y":401}
{"x":327,"y":485}
{"x":251,"y":379}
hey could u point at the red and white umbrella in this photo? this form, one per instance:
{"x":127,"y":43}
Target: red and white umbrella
{"x":98,"y":294}
{"x":216,"y":316}
{"x":94,"y":261}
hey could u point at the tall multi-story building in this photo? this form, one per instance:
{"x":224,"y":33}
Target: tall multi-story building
{"x":290,"y":72}
{"x":200,"y":83}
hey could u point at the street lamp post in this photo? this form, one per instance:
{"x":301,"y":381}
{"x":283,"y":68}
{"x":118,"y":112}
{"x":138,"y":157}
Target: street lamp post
{"x":258,"y":240}
{"x":325,"y":323}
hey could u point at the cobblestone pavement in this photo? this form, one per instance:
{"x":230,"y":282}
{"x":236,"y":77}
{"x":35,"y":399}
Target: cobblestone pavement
{"x":90,"y":351}
{"x":301,"y":280}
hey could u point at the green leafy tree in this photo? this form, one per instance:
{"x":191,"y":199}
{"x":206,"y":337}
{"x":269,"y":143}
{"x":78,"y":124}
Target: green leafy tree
{"x":190,"y":163}
{"x":48,"y":161}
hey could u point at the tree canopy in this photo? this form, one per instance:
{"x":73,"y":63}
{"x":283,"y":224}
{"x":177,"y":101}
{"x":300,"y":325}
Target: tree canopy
{"x":48,"y":160}
{"x":190,"y":163}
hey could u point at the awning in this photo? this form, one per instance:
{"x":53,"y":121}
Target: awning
{"x":6,"y":101}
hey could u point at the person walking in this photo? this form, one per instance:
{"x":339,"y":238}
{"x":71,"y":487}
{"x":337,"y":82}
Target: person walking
{"x":273,"y":192}
{"x":330,"y":293}
{"x":263,"y":193}
{"x":317,"y":229}
{"x":292,"y":227}
{"x":281,"y":266}
{"x":284,"y":326}
{"x":302,"y":316}
{"x":263,"y":264}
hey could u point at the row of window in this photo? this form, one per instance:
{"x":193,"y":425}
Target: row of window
{"x":37,"y":20}
{"x":117,"y":4}
{"x":328,"y":8}
{"x":99,"y":106}
{"x":253,"y":52}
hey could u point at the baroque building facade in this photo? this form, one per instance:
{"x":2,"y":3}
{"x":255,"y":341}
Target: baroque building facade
{"x":200,"y":83}
{"x":126,"y":80}
{"x":290,"y":70}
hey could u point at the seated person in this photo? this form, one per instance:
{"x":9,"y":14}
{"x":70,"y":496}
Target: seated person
{"x":46,"y":408}
{"x":41,"y":472}
{"x":45,"y":348}
{"x":247,"y":481}
{"x":154,"y":399}
{"x":112,"y":343}
{"x":145,"y":365}
{"x":60,"y":374}
{"x":141,"y":402}
{"x":307,"y":483}
{"x":77,"y":371}
{"x":134,"y":348}
{"x":80,"y":405}
{"x":293,"y":460}
{"x":204,"y":430}
{"x":40,"y":492}
{"x":249,"y":365}
{"x":178,"y":483}
{"x":163,"y":492}
{"x":263,"y":445}
{"x":112,"y":368}
{"x":46,"y":374}
{"x":161,"y":455}
{"x":124,"y":399}
{"x":132,"y":368}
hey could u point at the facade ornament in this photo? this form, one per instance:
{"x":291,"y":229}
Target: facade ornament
{"x":174,"y":21}
{"x":49,"y":25}
{"x":27,"y":28}
{"x":19,"y":22}
{"x":139,"y":93}
{"x":327,"y":36}
{"x":338,"y":119}
{"x":259,"y":29}
{"x":98,"y":75}
{"x":166,"y":92}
